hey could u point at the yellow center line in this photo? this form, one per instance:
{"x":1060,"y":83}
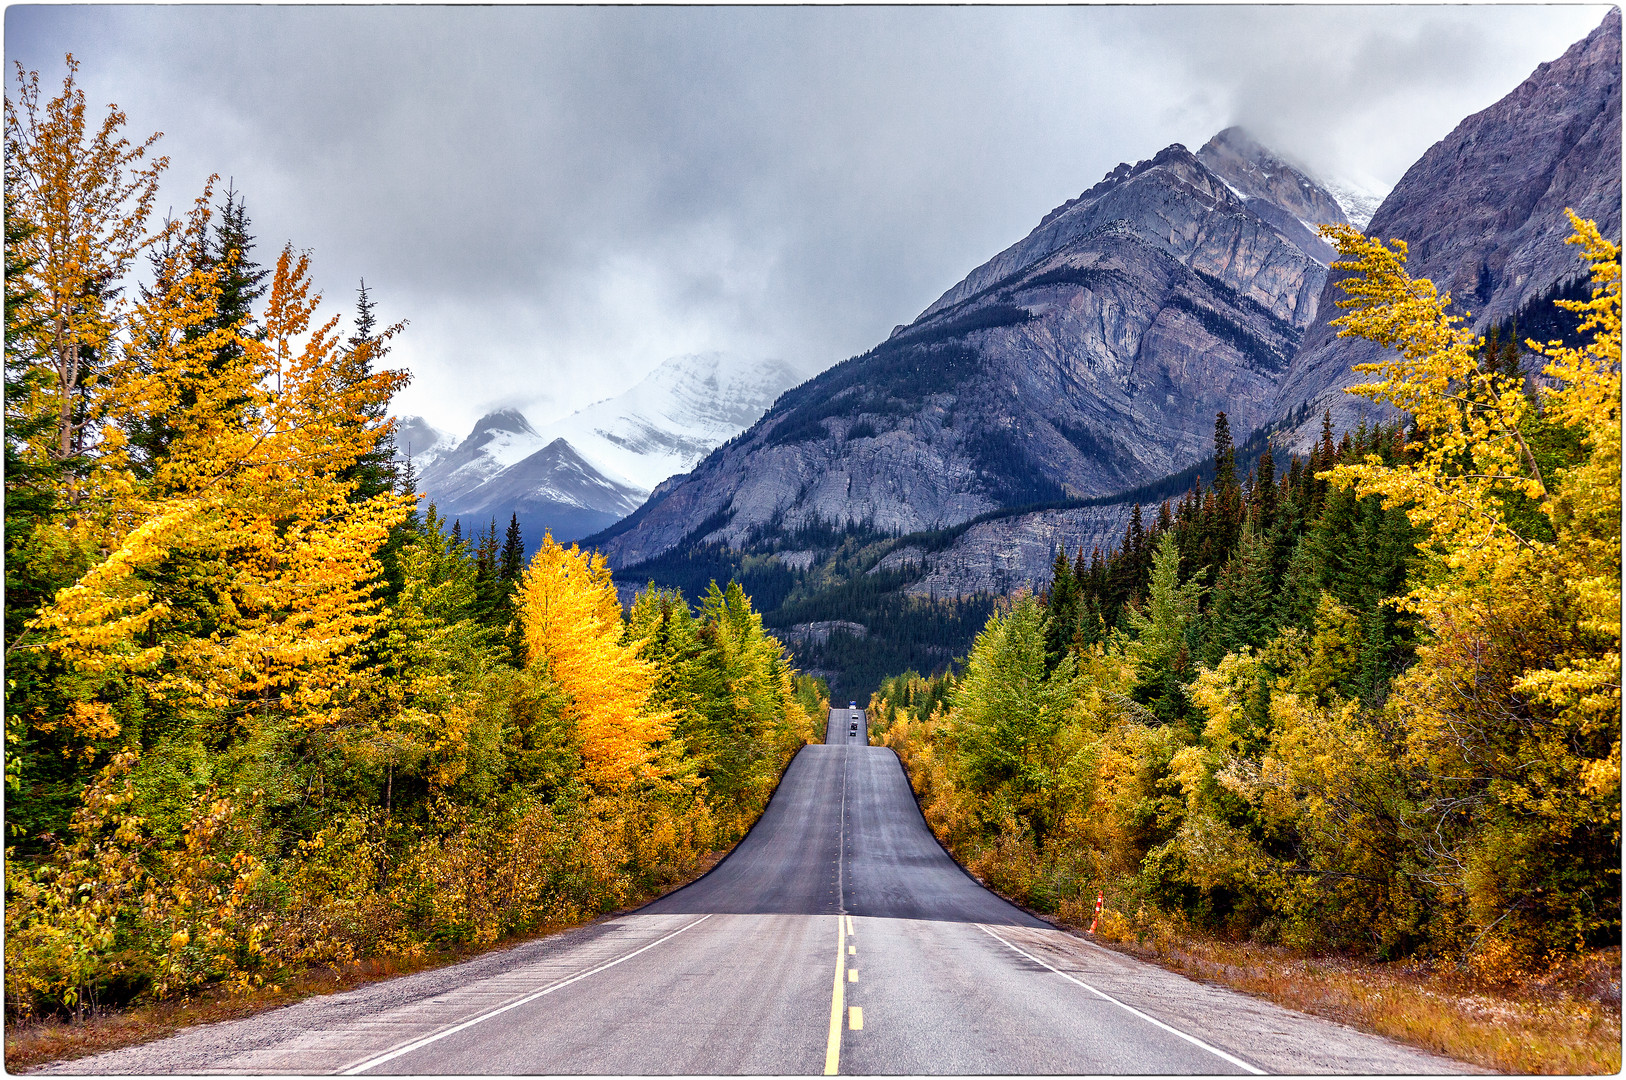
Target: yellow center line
{"x":832,"y":1050}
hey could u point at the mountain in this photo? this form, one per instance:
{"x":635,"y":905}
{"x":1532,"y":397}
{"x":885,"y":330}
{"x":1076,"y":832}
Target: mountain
{"x":420,"y":441}
{"x":1087,"y":358}
{"x":675,"y":416}
{"x":1358,"y":199}
{"x":499,"y":440}
{"x":1482,"y":214}
{"x":594,"y":467}
{"x":1282,"y":194}
{"x":506,"y":467}
{"x":552,"y":490}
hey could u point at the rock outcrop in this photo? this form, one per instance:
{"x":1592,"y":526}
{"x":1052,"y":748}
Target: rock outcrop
{"x":1482,"y":213}
{"x":1087,"y":358}
{"x":1010,"y":553}
{"x":1281,"y":193}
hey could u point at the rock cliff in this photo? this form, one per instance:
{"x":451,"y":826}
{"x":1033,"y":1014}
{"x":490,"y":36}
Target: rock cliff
{"x":1482,"y":213}
{"x":1281,"y":193}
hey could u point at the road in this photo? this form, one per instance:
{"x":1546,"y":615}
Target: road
{"x":837,"y":937}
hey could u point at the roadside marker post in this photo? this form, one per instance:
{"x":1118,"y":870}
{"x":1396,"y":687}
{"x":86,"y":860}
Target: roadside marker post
{"x":1100,"y":898}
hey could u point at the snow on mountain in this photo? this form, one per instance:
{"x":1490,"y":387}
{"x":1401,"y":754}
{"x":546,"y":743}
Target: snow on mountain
{"x":422,"y":442}
{"x":589,"y":470}
{"x":555,"y":475}
{"x":1360,"y":199}
{"x":674,"y":417}
{"x":499,"y":440}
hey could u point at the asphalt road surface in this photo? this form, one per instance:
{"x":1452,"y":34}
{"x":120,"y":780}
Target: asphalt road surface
{"x":837,"y":937}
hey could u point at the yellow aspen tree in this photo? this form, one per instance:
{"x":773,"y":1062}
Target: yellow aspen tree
{"x":88,"y":195}
{"x":1473,"y":455}
{"x":572,"y":621}
{"x":1586,"y":510}
{"x":253,"y":500}
{"x":1512,"y":710}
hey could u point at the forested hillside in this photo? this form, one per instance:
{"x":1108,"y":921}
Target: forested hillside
{"x":1372,"y":704}
{"x":261,"y":713}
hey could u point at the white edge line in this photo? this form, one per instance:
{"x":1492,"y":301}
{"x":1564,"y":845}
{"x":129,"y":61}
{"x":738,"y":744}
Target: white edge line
{"x":1238,"y":1062}
{"x":372,"y":1063}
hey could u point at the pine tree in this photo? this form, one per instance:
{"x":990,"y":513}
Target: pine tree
{"x":1224,"y":454}
{"x":376,"y":472}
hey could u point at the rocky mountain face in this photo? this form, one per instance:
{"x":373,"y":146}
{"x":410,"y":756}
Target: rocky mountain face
{"x":1482,"y":213}
{"x":1010,"y":553}
{"x":1282,"y":194}
{"x":1087,"y":358}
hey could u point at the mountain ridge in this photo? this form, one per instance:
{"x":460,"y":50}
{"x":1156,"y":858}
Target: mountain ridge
{"x":1087,"y":358}
{"x":1482,"y":214}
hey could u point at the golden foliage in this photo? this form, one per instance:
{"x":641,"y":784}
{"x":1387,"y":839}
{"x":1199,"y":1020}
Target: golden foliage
{"x":572,"y":622}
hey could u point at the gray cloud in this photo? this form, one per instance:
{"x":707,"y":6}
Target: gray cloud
{"x":560,"y":198}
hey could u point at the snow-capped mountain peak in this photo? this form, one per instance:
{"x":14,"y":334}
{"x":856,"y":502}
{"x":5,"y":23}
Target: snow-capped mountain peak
{"x":675,"y":415}
{"x":505,"y":437}
{"x":419,"y":441}
{"x":597,"y":465}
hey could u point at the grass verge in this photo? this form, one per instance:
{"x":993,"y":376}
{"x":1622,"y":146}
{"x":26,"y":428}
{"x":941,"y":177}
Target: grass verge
{"x":36,"y":1042}
{"x":1567,"y":1021}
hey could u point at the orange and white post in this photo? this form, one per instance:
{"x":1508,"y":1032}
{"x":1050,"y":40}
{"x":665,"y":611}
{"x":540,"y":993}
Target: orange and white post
{"x":1100,"y":898}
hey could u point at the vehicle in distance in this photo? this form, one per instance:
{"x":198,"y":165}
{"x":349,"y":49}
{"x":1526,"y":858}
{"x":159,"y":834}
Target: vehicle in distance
{"x":852,"y":704}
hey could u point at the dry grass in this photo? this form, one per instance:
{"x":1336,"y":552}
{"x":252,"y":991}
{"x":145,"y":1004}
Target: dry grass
{"x":36,"y":1042}
{"x":1564,"y":1022}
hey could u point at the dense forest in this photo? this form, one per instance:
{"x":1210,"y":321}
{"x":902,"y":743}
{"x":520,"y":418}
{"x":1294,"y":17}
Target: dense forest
{"x":261,"y":712}
{"x":1370,"y":703}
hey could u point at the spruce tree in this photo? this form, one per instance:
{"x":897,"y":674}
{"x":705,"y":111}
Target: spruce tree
{"x":1242,"y":613}
{"x":512,"y":564}
{"x":240,"y":279}
{"x":1061,"y":612}
{"x":374,"y":473}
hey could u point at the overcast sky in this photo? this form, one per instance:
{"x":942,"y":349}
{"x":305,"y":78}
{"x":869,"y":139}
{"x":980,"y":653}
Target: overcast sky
{"x":558,"y":199}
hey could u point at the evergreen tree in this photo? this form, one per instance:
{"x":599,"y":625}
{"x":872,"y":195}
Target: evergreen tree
{"x":1224,"y":454}
{"x":374,"y":473}
{"x":240,"y":279}
{"x":1061,"y":612}
{"x":1161,"y":649}
{"x":1242,"y":612}
{"x":512,"y":562}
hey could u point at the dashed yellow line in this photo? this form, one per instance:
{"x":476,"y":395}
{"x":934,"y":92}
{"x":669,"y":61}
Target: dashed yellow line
{"x":855,"y":1018}
{"x":832,"y":1048}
